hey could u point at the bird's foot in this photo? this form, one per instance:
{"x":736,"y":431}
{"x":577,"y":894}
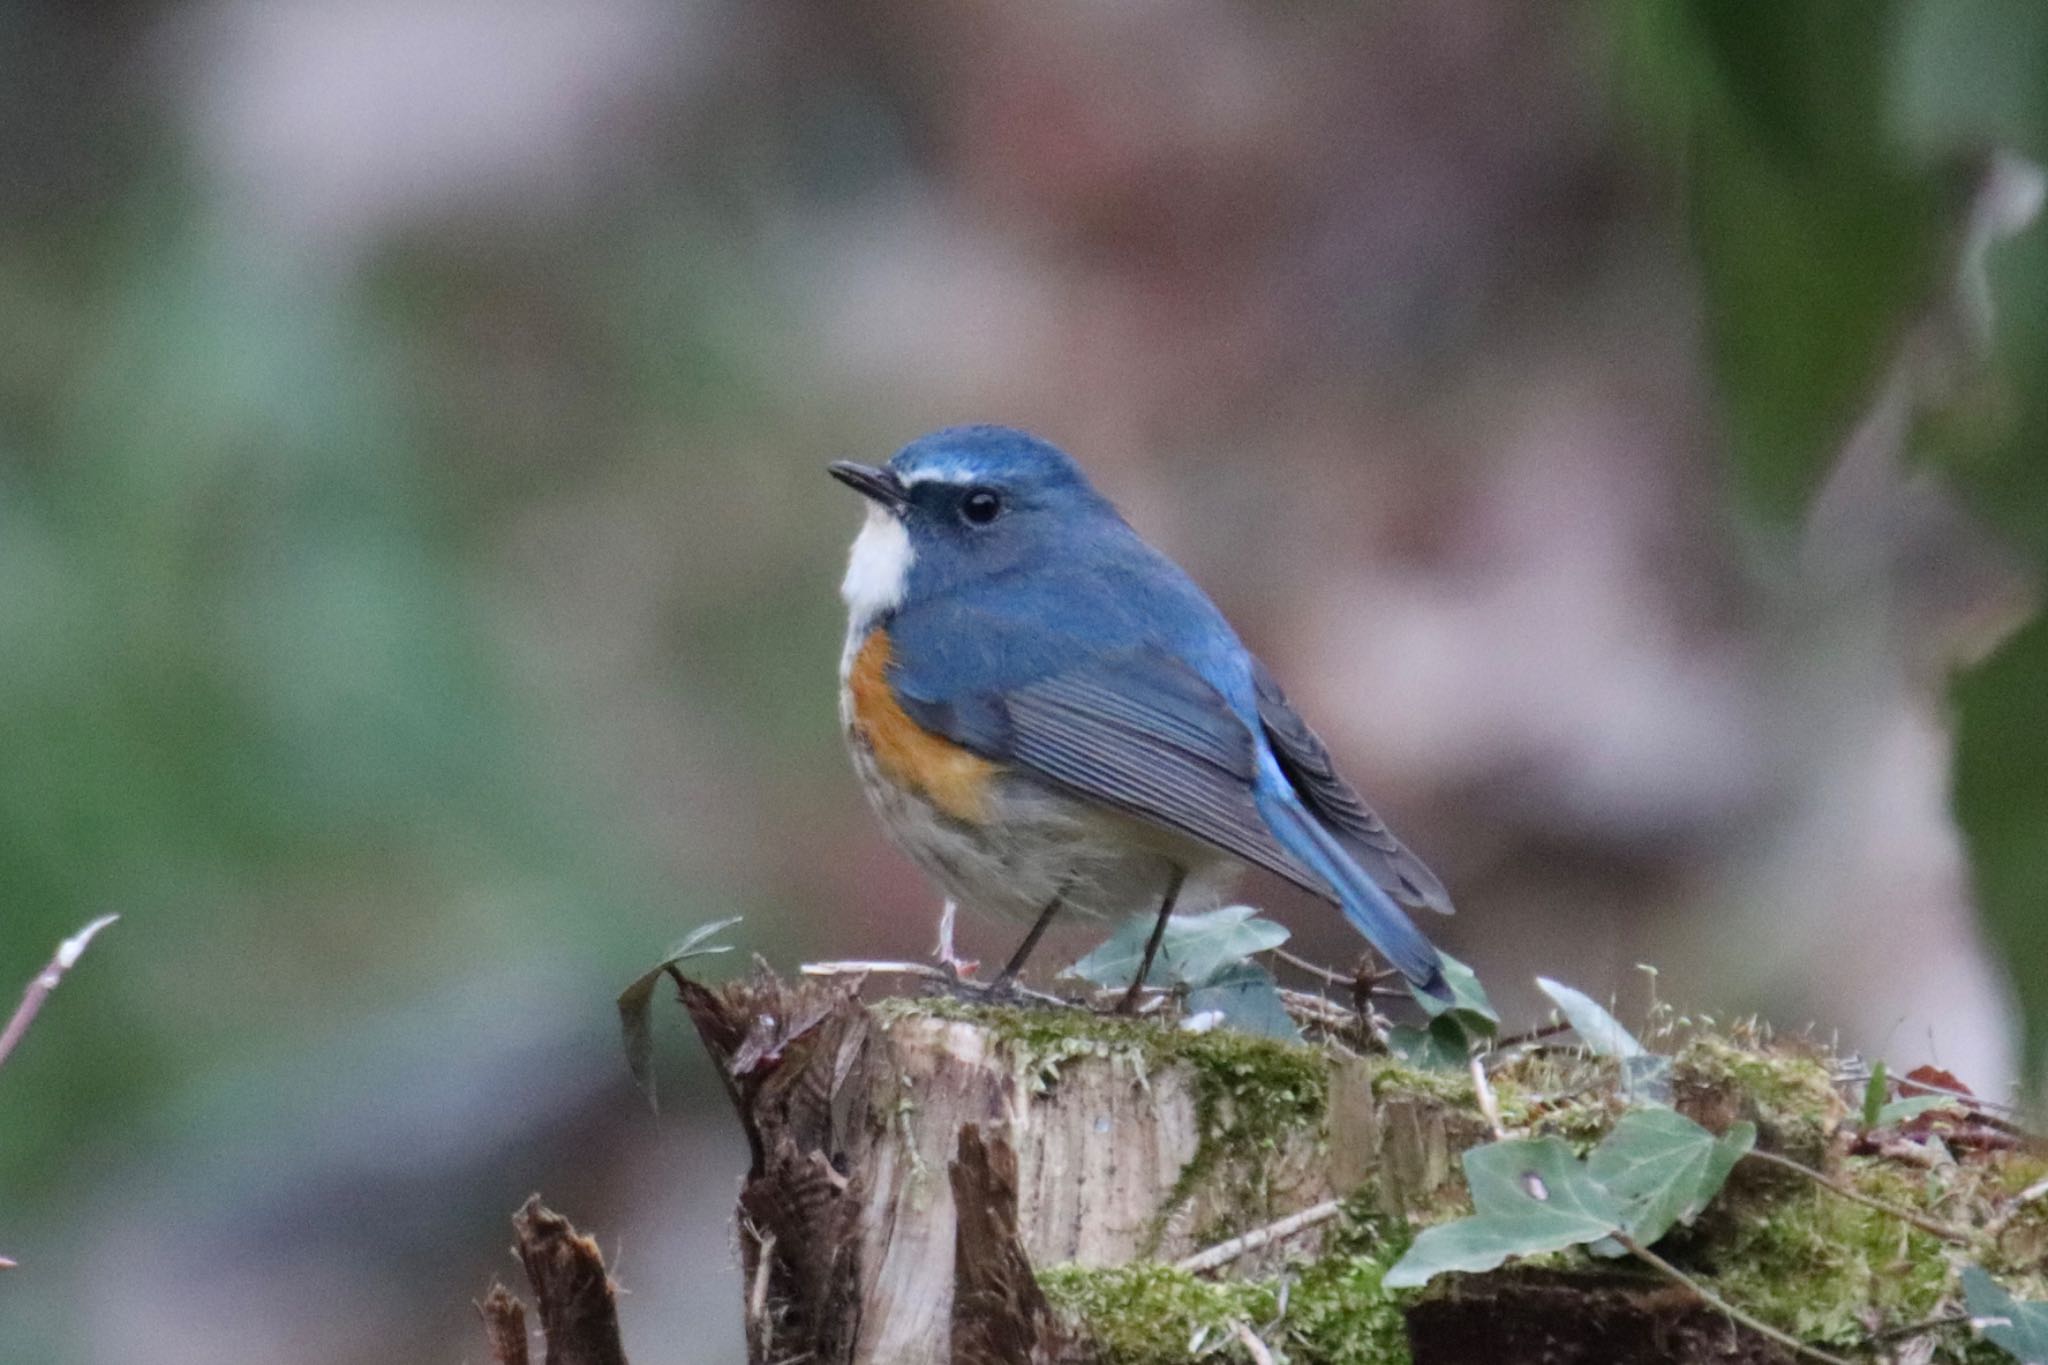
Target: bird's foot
{"x":1001,"y":991}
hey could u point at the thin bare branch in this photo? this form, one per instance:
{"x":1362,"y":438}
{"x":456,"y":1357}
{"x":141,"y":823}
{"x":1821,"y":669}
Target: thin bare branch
{"x":1316,"y":969}
{"x":1946,"y":1231}
{"x":45,"y":981}
{"x":1223,"y":1253}
{"x":926,"y":972}
{"x":1253,"y":1347}
{"x":1488,"y":1104}
{"x":1715,"y":1301}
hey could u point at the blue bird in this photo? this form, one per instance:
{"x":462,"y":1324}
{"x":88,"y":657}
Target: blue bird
{"x":1048,"y":714}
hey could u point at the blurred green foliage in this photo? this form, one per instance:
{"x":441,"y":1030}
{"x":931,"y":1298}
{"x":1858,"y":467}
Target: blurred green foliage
{"x":1829,"y":153}
{"x":247,"y":702}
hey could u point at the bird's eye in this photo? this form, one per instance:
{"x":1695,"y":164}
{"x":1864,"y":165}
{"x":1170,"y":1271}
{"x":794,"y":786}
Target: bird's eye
{"x":981,"y":506}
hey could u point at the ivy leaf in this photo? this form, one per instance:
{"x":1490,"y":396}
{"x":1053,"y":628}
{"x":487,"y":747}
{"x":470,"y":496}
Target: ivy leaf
{"x":1441,"y":1046}
{"x":1600,"y":1031}
{"x":1531,"y":1195}
{"x":1248,"y":998}
{"x":1468,"y":1004}
{"x":1194,"y":949}
{"x":635,"y":1026}
{"x":1663,"y":1168}
{"x":2015,"y":1325}
{"x":1898,"y":1111}
{"x":1646,"y":1079}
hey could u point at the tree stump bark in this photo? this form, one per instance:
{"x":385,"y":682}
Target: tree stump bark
{"x":910,"y":1168}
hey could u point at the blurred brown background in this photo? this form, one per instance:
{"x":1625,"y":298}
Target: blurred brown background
{"x":417,"y":569}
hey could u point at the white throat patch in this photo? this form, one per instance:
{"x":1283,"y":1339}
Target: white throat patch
{"x":878,"y":568}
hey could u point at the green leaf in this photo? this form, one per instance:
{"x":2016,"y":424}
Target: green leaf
{"x":1468,"y":1003}
{"x":1662,"y":1168}
{"x":1195,"y":947}
{"x":1874,"y":1094}
{"x":1646,"y":1079}
{"x":1442,"y":1046}
{"x":1600,"y":1031}
{"x":1248,"y":998}
{"x":1813,"y":235}
{"x":1898,"y":1111}
{"x":634,"y":1024}
{"x":2002,"y":806}
{"x":2015,"y":1325}
{"x":1531,"y":1195}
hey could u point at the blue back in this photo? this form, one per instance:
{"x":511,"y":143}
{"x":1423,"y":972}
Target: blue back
{"x":1059,"y":579}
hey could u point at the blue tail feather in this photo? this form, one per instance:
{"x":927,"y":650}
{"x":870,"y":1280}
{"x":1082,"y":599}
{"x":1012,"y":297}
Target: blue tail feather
{"x":1374,"y":913}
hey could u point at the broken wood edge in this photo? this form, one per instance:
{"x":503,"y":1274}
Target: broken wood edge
{"x":798,"y":1212}
{"x":504,"y":1319}
{"x":578,"y":1302}
{"x":1000,"y":1314}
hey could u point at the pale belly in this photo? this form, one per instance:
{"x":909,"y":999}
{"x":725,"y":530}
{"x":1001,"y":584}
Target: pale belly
{"x":1039,"y":843}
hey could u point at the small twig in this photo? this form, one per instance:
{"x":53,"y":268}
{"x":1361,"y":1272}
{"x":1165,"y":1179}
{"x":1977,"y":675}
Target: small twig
{"x":1715,"y":1301}
{"x":45,"y":981}
{"x":1318,"y":1010}
{"x":1947,"y":1232}
{"x":927,"y":972}
{"x":1534,"y":1035}
{"x":1223,"y":1253}
{"x":1315,"y":969}
{"x":1915,"y":1329}
{"x":858,"y":967}
{"x":1488,"y":1105}
{"x":1253,"y":1347}
{"x":757,"y":1299}
{"x":1950,"y":1092}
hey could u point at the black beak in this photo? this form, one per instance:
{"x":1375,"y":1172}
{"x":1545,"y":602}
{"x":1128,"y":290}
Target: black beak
{"x":870,"y":482}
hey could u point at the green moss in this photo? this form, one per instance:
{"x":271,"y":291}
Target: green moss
{"x":1148,"y":1314}
{"x":1790,"y":1096}
{"x":1338,"y":1311}
{"x":1824,"y":1268}
{"x":1395,"y":1080}
{"x":1252,"y":1095}
{"x":1330,"y":1311}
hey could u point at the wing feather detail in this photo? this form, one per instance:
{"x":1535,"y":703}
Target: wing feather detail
{"x":1141,"y":733}
{"x":1308,"y":766}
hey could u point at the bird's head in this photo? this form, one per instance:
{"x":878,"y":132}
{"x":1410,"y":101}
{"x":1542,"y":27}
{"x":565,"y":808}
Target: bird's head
{"x":962,"y":504}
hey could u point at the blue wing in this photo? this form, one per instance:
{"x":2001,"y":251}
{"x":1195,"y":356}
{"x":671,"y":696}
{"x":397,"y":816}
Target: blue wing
{"x":1308,"y":768}
{"x":1137,"y":731}
{"x":1109,"y":673}
{"x":1357,"y":894}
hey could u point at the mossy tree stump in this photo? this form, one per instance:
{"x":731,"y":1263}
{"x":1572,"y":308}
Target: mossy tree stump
{"x":932,"y":1182}
{"x":1069,"y":1139}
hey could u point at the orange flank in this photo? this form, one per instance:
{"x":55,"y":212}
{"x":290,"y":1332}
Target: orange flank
{"x":945,"y":774}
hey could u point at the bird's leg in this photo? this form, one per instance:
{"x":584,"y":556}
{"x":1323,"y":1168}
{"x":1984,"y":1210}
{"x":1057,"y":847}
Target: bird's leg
{"x":1129,"y":1004}
{"x":958,"y":967}
{"x":1017,"y":959}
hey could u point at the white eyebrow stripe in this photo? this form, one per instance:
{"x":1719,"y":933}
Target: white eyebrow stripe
{"x":945,"y":473}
